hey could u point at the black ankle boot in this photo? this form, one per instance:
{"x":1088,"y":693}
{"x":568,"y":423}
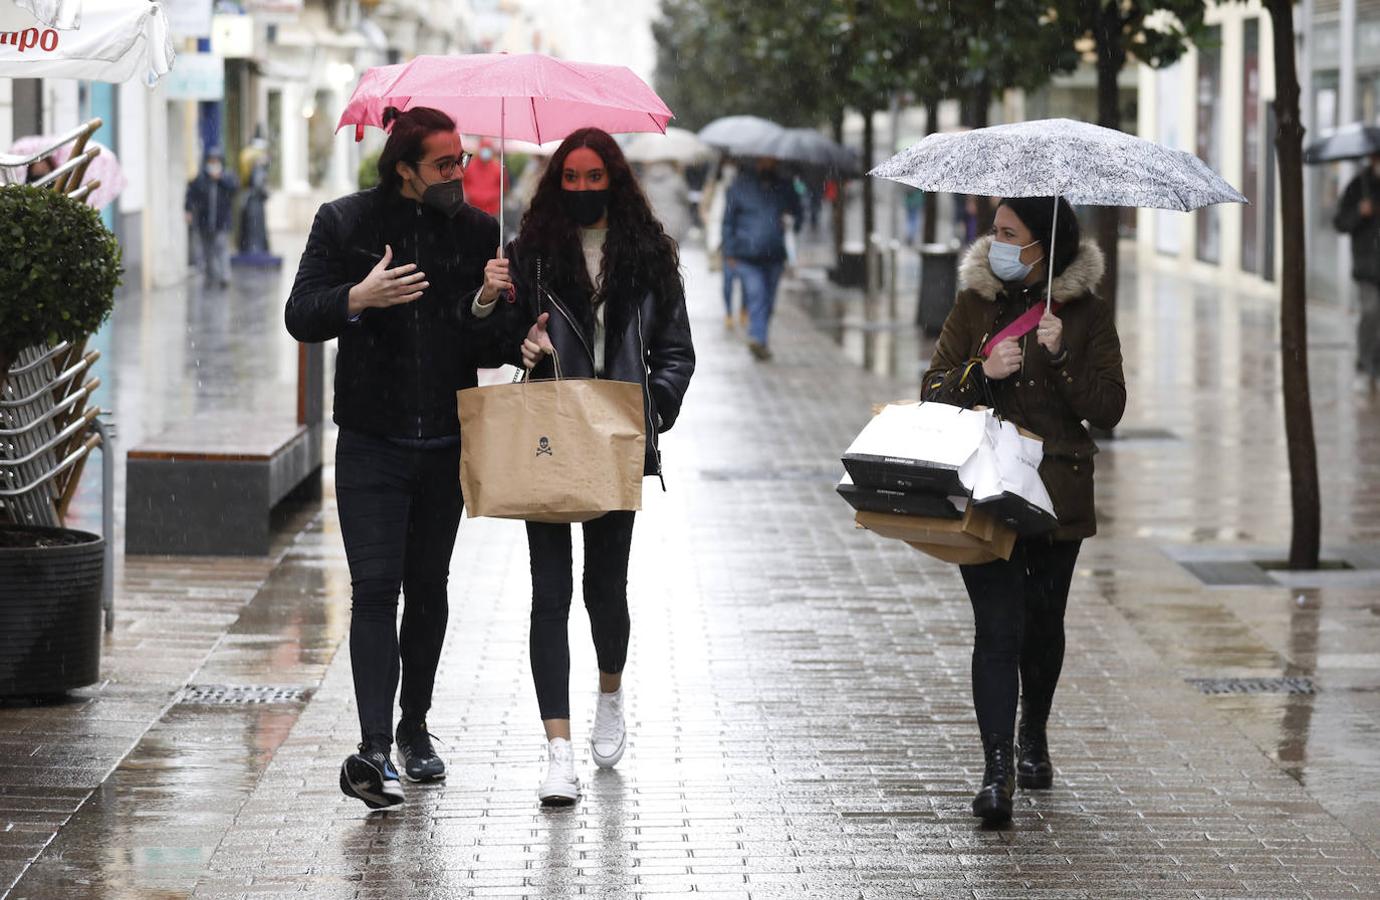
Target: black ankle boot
{"x":1033,"y":768}
{"x":993,"y":803}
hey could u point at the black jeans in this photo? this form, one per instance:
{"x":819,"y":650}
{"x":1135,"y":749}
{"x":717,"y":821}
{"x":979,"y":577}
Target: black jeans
{"x":399,"y":511}
{"x":608,"y":541}
{"x":1018,"y":605}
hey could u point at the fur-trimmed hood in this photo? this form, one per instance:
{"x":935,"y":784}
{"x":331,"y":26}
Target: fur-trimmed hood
{"x":1081,"y":277}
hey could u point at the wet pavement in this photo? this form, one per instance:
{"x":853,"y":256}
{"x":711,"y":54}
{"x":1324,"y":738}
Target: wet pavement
{"x":798,"y":691}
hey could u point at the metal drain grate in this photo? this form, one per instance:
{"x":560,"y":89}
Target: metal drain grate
{"x":1286,"y":685}
{"x":241,"y":694}
{"x":1229,"y":573}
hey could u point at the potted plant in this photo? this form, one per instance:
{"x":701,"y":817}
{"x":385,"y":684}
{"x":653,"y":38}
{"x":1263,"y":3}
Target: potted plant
{"x":58,"y":277}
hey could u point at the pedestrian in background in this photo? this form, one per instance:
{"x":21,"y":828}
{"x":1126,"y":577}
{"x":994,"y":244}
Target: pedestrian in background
{"x":1049,"y":380}
{"x":254,"y":160}
{"x":485,"y":179}
{"x":664,"y":184}
{"x":1358,"y":216}
{"x":754,"y":242}
{"x":396,"y":274}
{"x":600,"y":276}
{"x":713,"y":205}
{"x":915,"y":214}
{"x":210,"y":208}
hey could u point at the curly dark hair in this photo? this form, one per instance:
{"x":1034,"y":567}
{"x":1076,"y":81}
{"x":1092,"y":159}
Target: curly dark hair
{"x":638,"y":254}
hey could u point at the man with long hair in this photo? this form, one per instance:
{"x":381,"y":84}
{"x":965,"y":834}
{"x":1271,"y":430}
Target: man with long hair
{"x":396,"y":275}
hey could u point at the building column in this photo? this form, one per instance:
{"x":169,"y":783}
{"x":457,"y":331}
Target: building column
{"x":294,"y":139}
{"x":1346,"y":114}
{"x":342,"y":177}
{"x":6,"y":112}
{"x":1233,"y":127}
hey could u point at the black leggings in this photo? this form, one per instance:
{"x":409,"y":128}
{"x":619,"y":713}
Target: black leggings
{"x":1018,"y":605}
{"x":608,"y":541}
{"x":399,"y":512}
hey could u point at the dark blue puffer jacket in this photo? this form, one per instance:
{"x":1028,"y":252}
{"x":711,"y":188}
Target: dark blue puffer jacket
{"x":752,"y":218}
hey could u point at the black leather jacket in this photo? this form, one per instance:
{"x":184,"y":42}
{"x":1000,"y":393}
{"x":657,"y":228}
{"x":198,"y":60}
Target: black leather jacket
{"x":646,"y":339}
{"x":398,"y":368}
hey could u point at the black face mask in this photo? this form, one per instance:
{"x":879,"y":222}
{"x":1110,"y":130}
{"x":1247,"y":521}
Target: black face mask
{"x":585,"y":207}
{"x":447,"y":197}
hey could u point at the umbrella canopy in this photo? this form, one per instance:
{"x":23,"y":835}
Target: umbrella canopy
{"x":105,"y":168}
{"x":526,"y":96}
{"x":806,"y":147}
{"x":61,"y":14}
{"x":736,"y":135}
{"x":1354,"y":141}
{"x":1082,"y":163}
{"x":118,"y":40}
{"x":370,"y":98}
{"x":676,"y":145}
{"x":473,"y":143}
{"x":1085,"y":164}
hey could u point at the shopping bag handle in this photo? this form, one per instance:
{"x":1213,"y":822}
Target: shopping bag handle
{"x":523,"y":373}
{"x":968,"y":367}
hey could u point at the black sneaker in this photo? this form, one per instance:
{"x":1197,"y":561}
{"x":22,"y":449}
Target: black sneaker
{"x":369,"y":776}
{"x":418,"y":760}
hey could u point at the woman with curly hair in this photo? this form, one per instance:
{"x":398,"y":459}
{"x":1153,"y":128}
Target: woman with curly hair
{"x":597,"y":271}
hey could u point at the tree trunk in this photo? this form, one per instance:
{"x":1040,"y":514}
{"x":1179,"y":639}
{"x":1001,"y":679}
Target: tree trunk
{"x":980,"y":116}
{"x":1306,"y":539}
{"x":1111,"y":57}
{"x":931,"y":198}
{"x":840,"y":208}
{"x":869,"y":196}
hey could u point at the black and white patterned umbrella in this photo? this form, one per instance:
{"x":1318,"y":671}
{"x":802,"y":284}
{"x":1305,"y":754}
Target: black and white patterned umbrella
{"x":1083,"y":163}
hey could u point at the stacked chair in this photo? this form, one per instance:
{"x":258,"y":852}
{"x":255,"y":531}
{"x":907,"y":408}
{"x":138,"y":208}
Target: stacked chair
{"x":48,"y":424}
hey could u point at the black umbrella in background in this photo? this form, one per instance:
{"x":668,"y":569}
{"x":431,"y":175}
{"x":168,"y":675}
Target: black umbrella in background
{"x":737,"y":134}
{"x":807,"y":147}
{"x":1354,"y":141}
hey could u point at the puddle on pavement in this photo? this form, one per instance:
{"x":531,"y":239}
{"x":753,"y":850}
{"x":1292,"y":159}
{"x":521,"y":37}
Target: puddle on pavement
{"x":149,"y":830}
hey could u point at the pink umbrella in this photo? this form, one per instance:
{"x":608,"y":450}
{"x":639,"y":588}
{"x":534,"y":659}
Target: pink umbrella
{"x":105,"y":168}
{"x":527,"y":96}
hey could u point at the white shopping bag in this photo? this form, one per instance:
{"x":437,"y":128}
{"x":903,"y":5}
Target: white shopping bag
{"x":917,"y":447}
{"x":1003,"y":477}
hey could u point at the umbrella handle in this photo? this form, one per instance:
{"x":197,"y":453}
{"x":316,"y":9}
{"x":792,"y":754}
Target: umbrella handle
{"x":503,"y":167}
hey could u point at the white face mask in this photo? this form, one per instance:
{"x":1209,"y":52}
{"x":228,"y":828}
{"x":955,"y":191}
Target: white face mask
{"x":1005,"y":260}
{"x":215,"y":170}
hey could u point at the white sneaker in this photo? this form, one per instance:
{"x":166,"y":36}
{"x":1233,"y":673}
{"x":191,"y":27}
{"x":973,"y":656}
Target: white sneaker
{"x":561,"y":787}
{"x":609,"y":736}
